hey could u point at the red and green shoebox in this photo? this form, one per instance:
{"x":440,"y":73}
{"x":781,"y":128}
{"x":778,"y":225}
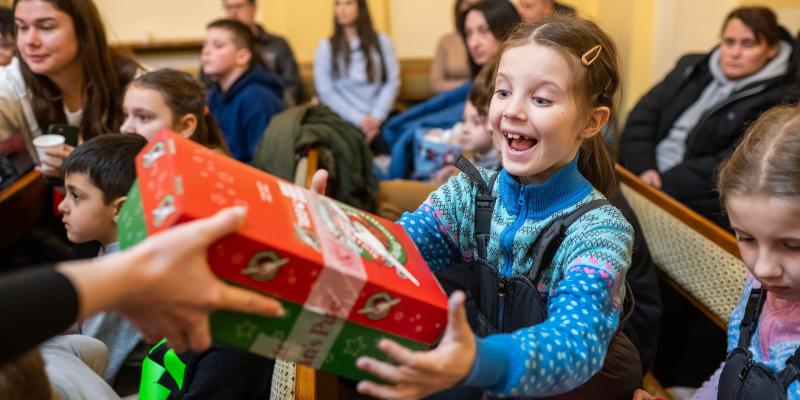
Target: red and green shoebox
{"x":346,"y":278}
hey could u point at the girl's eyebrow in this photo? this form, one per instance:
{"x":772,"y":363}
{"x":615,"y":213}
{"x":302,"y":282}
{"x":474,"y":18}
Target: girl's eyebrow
{"x":540,"y":82}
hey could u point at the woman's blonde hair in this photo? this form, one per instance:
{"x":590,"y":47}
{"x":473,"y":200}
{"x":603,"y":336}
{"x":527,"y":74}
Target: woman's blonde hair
{"x":767,"y":161}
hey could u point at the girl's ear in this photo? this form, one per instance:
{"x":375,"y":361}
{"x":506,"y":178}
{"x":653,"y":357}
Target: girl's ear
{"x":117,"y":204}
{"x":186,"y":125}
{"x":597,"y":119}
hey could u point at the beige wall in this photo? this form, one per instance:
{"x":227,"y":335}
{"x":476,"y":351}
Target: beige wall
{"x":152,"y":20}
{"x":650,"y":34}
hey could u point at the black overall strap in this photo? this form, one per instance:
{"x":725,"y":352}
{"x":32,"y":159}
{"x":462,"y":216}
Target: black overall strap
{"x":545,"y":246}
{"x":792,"y":370}
{"x":749,"y":324}
{"x":484,"y":204}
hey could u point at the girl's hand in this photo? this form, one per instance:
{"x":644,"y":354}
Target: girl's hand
{"x":441,"y":176}
{"x":422,"y":373}
{"x":51,"y":165}
{"x":319,"y":182}
{"x":640,"y":394}
{"x":652,"y":178}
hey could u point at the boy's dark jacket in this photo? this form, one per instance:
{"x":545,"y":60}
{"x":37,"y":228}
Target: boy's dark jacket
{"x":244,"y":111}
{"x":714,"y":137}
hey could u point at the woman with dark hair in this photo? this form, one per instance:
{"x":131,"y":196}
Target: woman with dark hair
{"x":484,"y":26}
{"x":450,"y":67}
{"x":67,"y":75}
{"x":682,"y":129}
{"x":355,"y":70}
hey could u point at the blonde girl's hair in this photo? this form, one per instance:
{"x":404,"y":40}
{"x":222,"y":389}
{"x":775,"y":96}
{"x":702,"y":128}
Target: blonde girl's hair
{"x":767,"y":161}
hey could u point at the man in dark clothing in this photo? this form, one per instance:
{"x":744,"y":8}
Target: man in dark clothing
{"x":275,"y":51}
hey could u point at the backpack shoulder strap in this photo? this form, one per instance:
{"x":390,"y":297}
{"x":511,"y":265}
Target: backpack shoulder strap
{"x":484,"y":204}
{"x":792,"y":370}
{"x":545,"y":246}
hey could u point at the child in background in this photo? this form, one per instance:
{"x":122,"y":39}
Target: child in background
{"x":476,"y":132}
{"x":172,"y":99}
{"x":244,"y":97}
{"x":97,"y":177}
{"x":554,"y":92}
{"x":760,"y":189}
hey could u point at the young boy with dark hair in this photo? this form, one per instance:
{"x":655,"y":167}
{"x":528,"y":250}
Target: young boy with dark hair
{"x":244,"y":96}
{"x":97,"y":177}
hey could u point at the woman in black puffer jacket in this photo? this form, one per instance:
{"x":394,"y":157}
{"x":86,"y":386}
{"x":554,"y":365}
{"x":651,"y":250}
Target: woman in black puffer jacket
{"x":682,"y":129}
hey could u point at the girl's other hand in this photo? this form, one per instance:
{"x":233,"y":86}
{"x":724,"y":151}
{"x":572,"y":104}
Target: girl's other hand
{"x":652,"y":178}
{"x":422,"y":373}
{"x":640,"y":394}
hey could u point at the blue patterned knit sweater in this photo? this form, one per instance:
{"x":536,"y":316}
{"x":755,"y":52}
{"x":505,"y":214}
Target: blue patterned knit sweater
{"x":583,"y":288}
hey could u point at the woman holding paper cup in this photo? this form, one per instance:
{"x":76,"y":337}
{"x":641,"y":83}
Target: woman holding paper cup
{"x":66,"y":75}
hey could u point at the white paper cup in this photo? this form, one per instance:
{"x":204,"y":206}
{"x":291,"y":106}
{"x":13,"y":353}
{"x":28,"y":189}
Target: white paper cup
{"x":45,"y":143}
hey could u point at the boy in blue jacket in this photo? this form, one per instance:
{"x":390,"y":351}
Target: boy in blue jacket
{"x":244,"y":96}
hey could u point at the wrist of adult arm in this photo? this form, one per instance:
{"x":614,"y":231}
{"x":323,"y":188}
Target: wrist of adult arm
{"x":105,"y":282}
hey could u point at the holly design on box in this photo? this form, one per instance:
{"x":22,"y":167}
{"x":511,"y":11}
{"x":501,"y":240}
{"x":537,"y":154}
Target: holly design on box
{"x":365,"y":235}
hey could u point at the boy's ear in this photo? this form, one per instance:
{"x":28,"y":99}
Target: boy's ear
{"x":186,"y":125}
{"x":117,"y":204}
{"x":243,"y":57}
{"x":597,"y":119}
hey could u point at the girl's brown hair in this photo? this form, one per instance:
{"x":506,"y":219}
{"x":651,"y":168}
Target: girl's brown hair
{"x":593,"y":85}
{"x":106,"y":72}
{"x":767,"y":161}
{"x":184,"y":95}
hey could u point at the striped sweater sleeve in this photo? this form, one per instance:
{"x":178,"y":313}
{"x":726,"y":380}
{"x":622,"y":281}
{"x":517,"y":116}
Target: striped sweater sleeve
{"x":438,"y":225}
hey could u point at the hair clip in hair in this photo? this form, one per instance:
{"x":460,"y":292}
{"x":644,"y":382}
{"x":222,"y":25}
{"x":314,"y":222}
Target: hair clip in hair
{"x":591,"y":55}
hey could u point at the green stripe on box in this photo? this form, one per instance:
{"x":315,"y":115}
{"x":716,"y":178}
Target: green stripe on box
{"x":132,"y":227}
{"x":266,"y":334}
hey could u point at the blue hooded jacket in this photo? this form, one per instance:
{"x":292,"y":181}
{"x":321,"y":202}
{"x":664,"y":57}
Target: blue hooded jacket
{"x":244,"y":111}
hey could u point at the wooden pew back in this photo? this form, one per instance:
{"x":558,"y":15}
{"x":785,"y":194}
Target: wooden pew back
{"x":695,"y":256}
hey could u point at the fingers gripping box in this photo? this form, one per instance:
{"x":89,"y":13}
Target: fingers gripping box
{"x":346,"y":278}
